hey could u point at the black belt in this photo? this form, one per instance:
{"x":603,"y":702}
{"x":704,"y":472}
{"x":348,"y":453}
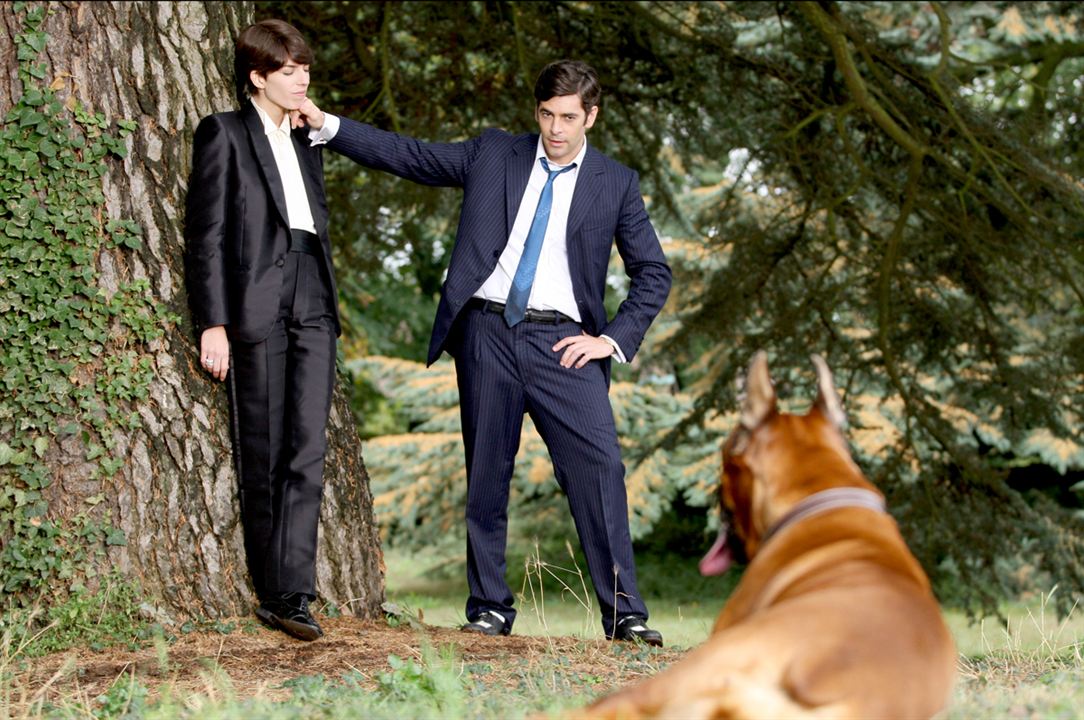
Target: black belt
{"x":303,"y":241}
{"x":551,"y":317}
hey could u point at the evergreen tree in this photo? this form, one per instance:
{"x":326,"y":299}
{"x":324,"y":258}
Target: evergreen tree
{"x":892,"y":185}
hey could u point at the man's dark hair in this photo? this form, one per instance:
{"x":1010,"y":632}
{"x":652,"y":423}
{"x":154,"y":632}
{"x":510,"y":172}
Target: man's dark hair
{"x":265,"y":47}
{"x":569,"y":77}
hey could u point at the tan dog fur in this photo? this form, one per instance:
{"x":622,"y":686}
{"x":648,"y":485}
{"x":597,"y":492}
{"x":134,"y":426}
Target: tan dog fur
{"x":833,"y":617}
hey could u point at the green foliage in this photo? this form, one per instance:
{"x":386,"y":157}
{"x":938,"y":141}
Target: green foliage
{"x":125,"y":700}
{"x":924,"y":237}
{"x":74,"y":352}
{"x":434,"y":682}
{"x":420,"y":502}
{"x":90,"y":618}
{"x":886,"y":184}
{"x":432,"y":686}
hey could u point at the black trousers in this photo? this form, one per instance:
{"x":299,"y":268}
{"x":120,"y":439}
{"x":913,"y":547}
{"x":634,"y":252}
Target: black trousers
{"x":503,"y":373}
{"x":280,"y":398}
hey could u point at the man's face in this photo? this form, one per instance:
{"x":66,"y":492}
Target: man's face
{"x":286,"y":87}
{"x":563,"y":123}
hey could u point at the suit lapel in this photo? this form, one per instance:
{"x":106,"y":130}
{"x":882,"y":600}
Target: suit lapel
{"x":588,"y":183}
{"x":261,"y":146}
{"x":518,"y":168}
{"x":313,"y":177}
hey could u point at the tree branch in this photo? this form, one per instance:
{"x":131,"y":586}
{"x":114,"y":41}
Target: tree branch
{"x":853,"y":79}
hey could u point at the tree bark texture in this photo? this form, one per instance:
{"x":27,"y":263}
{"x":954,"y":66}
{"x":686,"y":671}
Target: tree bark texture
{"x":165,"y":65}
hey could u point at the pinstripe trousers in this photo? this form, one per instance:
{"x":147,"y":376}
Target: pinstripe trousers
{"x":503,"y":373}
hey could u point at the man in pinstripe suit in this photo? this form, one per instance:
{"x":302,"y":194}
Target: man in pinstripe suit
{"x":522,"y":314}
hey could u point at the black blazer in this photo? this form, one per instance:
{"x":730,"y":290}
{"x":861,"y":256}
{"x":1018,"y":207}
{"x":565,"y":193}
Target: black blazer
{"x":236,"y":230}
{"x":493,"y":170}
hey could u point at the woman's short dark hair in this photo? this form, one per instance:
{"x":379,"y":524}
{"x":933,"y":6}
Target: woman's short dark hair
{"x":265,"y":47}
{"x":569,"y":77}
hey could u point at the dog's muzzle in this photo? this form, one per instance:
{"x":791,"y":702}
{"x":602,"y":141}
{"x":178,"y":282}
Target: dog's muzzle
{"x":727,"y":550}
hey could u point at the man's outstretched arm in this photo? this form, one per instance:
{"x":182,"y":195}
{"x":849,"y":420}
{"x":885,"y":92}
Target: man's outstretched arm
{"x":443,"y":164}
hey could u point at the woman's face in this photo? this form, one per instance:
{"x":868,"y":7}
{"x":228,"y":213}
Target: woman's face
{"x":286,"y":87}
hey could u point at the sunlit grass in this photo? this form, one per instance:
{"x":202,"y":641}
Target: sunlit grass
{"x":554,"y":596}
{"x":437,"y":585}
{"x":1032,"y":626}
{"x":1027,"y":665}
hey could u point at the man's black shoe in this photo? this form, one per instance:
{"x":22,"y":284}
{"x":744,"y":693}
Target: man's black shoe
{"x":634,"y":627}
{"x":488,"y":623}
{"x":289,"y":612}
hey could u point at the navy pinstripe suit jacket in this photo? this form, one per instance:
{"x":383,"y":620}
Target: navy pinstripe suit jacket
{"x":493,"y":170}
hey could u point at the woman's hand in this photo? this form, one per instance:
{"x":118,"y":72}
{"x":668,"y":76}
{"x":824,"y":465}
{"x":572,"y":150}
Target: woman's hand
{"x":214,"y":351}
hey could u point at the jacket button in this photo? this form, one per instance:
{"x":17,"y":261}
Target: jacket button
{"x":280,"y":262}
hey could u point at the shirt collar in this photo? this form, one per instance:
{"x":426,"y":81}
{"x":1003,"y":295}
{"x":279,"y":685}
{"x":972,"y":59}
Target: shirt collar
{"x":540,"y":152}
{"x":268,"y":125}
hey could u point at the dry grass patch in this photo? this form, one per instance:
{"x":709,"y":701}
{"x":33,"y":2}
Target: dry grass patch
{"x":254,"y":662}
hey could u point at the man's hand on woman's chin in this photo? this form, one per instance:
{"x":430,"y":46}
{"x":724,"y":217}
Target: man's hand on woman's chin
{"x":307,"y":114}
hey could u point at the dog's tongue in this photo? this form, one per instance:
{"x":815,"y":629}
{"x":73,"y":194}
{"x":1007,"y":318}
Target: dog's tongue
{"x":719,"y":558}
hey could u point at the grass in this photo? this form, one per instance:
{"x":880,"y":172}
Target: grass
{"x":555,"y":599}
{"x":1029,"y":666}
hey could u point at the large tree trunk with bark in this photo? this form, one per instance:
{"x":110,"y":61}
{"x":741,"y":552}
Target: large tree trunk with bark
{"x":164,"y":66}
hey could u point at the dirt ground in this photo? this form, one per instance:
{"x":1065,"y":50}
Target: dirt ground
{"x":258,"y":660}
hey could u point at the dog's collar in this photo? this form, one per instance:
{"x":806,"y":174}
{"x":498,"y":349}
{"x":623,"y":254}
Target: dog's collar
{"x":829,"y":500}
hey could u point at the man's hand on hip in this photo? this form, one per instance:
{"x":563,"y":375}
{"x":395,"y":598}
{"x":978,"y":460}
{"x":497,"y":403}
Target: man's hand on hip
{"x":582,"y":349}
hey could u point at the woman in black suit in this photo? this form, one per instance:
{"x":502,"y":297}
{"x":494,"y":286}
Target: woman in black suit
{"x":263,"y":297}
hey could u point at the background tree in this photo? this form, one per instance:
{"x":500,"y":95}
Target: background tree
{"x":420,"y":502}
{"x":893,"y":185}
{"x":114,"y":446}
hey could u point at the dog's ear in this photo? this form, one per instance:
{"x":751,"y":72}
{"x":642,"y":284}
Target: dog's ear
{"x":759,"y":400}
{"x":827,"y":399}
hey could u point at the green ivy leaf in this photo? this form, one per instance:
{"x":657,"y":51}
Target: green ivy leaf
{"x":36,"y":41}
{"x":28,"y":117}
{"x":51,"y":304}
{"x":34,"y":97}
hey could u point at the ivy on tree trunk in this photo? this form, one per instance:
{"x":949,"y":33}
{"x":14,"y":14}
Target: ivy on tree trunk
{"x":115,"y":453}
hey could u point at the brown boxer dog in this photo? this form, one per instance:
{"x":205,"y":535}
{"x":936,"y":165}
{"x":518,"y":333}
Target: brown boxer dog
{"x":833,"y":617}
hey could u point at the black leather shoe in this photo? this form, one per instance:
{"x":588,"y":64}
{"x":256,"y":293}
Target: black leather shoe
{"x":488,"y":623}
{"x":634,"y":627}
{"x":289,"y":612}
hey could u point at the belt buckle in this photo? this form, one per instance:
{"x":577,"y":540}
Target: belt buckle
{"x":548,"y":317}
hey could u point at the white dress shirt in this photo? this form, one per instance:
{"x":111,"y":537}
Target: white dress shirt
{"x":552,"y":288}
{"x":298,"y":211}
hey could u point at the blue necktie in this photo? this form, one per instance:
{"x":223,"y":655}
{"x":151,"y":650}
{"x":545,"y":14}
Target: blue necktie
{"x":516,"y":306}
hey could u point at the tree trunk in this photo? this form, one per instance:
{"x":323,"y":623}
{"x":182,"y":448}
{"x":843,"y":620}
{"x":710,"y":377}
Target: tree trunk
{"x":164,"y":66}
